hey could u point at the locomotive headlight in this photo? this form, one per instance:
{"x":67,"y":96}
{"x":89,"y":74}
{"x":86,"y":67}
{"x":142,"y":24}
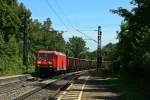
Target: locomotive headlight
{"x":50,"y":62}
{"x":39,"y":62}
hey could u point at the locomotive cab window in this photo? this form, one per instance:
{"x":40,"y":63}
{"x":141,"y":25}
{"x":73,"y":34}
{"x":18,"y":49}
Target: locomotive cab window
{"x":45,"y":56}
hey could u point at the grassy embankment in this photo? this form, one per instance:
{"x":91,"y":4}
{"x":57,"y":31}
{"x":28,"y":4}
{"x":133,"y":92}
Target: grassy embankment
{"x":16,"y":70}
{"x":127,"y":90}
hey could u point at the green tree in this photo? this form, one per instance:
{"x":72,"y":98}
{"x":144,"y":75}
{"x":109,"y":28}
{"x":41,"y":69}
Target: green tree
{"x":1,"y":43}
{"x":77,"y":47}
{"x":110,"y":52}
{"x":134,"y":36}
{"x":43,"y":36}
{"x":9,"y":21}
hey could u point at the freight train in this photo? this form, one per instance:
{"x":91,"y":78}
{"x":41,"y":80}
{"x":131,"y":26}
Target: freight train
{"x":50,"y":62}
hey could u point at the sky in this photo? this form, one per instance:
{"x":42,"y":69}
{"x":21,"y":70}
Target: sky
{"x":84,"y":15}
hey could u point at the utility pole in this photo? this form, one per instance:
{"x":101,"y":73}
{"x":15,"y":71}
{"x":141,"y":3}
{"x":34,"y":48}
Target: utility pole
{"x":99,"y":55}
{"x":25,"y":45}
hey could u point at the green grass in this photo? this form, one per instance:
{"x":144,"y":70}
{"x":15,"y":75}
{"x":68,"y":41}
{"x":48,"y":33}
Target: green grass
{"x":16,"y":70}
{"x":128,"y":91}
{"x":31,"y":69}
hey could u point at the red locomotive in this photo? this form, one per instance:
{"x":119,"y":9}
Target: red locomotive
{"x":49,"y":62}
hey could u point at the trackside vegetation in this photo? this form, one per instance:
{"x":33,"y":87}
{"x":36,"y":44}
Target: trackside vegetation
{"x":133,"y":47}
{"x":131,"y":55}
{"x":126,"y":90}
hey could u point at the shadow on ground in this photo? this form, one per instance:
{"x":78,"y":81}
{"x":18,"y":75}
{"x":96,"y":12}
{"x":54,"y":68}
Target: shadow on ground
{"x":98,"y":88}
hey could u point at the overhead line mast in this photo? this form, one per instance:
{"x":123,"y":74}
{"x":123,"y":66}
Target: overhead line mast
{"x":99,"y":54}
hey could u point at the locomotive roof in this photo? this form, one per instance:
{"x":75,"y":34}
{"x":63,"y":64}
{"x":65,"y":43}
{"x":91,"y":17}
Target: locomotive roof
{"x":54,"y":52}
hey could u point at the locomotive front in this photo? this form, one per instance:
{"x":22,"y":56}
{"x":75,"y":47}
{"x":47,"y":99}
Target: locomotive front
{"x":44,"y":62}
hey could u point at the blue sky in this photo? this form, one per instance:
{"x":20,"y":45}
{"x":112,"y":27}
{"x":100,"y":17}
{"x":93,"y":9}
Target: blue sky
{"x":83,"y":15}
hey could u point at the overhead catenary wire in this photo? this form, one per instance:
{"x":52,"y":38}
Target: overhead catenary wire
{"x":86,"y":36}
{"x":67,"y":19}
{"x":59,"y":18}
{"x":93,"y":27}
{"x":72,"y":26}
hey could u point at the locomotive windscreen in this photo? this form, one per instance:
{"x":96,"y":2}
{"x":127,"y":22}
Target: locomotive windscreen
{"x":45,"y":56}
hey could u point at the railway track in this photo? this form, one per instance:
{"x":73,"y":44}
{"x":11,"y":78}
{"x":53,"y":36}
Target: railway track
{"x":35,"y":89}
{"x":12,"y":79}
{"x":11,"y":90}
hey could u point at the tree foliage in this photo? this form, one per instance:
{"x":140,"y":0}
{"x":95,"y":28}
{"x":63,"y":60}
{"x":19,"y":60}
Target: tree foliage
{"x":76,"y":47}
{"x":43,"y":36}
{"x":110,"y":52}
{"x":134,"y":36}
